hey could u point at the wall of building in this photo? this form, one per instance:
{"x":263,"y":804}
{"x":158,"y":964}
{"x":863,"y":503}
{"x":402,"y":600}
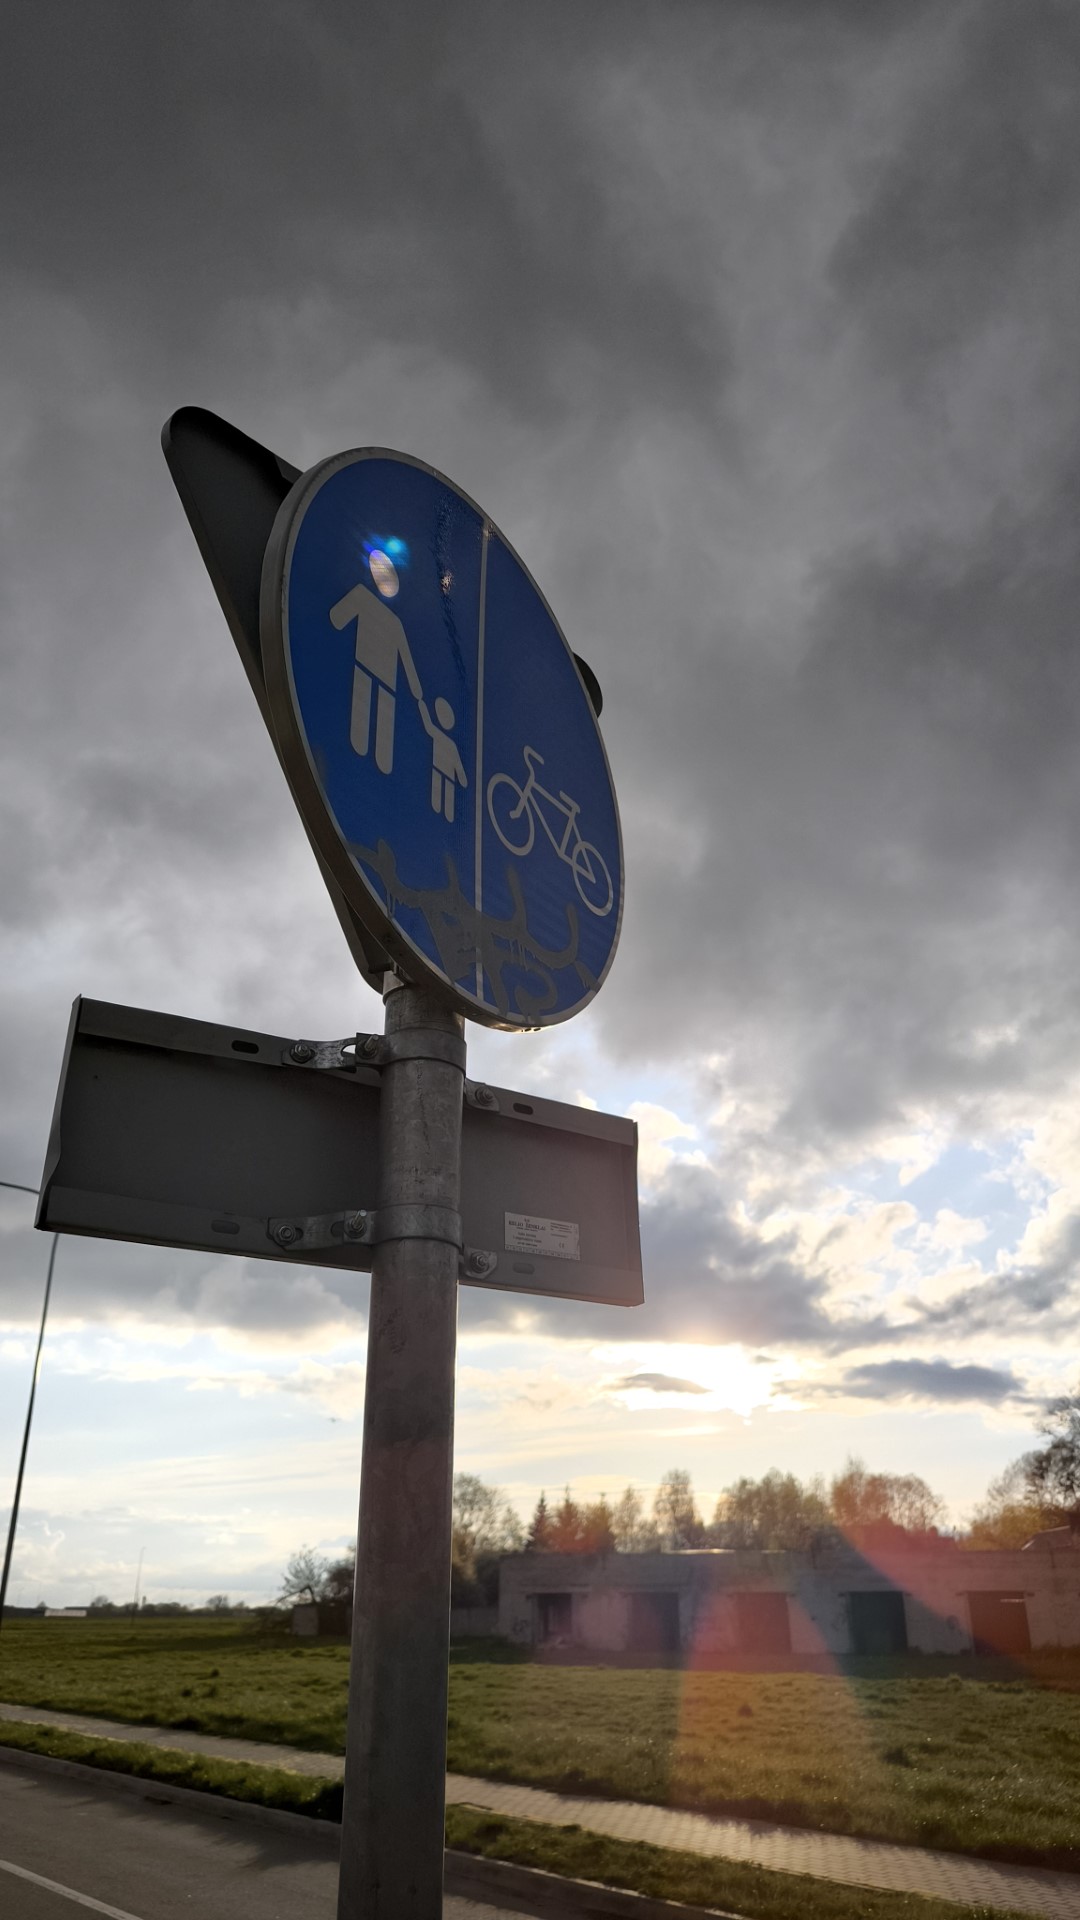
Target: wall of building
{"x":936,"y":1585}
{"x":473,"y":1623}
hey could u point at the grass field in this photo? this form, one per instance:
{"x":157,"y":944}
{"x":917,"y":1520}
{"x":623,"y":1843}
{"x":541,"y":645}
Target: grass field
{"x":732,"y":1886}
{"x":973,"y":1762}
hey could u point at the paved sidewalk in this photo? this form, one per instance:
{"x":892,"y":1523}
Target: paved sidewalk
{"x":823,"y":1856}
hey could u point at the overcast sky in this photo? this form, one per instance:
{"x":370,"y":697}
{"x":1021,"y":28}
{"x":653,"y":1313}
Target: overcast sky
{"x":754,"y":327}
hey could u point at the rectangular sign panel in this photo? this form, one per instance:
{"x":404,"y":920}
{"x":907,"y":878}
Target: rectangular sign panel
{"x":188,"y":1134}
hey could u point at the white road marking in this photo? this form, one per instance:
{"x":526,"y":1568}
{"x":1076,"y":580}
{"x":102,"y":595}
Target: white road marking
{"x":69,"y":1893}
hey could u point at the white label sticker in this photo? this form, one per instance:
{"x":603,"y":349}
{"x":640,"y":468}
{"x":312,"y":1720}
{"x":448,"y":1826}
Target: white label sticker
{"x":528,"y":1233}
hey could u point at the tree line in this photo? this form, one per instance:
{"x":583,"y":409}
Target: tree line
{"x":773,"y":1513}
{"x":778,"y":1511}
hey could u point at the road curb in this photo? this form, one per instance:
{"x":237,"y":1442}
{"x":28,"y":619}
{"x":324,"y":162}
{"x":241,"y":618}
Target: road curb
{"x":144,"y":1787}
{"x":468,"y":1875}
{"x":529,"y":1890}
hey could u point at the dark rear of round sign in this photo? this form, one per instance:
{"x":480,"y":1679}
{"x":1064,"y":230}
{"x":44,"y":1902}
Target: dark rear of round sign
{"x":440,"y":739}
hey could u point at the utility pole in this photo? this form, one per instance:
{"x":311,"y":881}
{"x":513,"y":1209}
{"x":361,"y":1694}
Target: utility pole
{"x":16,"y":1187}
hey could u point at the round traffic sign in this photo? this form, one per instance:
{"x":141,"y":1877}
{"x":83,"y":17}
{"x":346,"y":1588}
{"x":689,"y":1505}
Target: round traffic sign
{"x":440,"y":740}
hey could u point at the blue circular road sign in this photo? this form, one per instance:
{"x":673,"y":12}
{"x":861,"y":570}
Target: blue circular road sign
{"x":440,"y":740}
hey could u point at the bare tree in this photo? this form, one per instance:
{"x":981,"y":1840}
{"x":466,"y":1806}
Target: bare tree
{"x":483,"y":1520}
{"x":304,"y":1577}
{"x":1053,"y":1471}
{"x":675,"y":1511}
{"x":773,"y":1513}
{"x":633,"y":1531}
{"x":484,"y":1526}
{"x":859,"y":1498}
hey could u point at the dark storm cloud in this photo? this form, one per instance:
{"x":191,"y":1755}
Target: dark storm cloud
{"x":891,"y":785}
{"x":988,"y":166}
{"x":427,"y":173}
{"x":936,"y":1380}
{"x":756,"y":327}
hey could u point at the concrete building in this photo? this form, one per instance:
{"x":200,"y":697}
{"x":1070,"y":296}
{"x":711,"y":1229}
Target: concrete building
{"x":834,"y":1599}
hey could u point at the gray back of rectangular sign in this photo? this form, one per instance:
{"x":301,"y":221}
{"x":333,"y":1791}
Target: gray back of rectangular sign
{"x":188,"y":1134}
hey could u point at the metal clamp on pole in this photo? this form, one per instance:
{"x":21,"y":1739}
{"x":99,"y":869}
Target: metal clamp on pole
{"x":323,"y":1054}
{"x":412,"y":1043}
{"x":414,"y":1222}
{"x":368,"y":1227}
{"x":378,"y":1050}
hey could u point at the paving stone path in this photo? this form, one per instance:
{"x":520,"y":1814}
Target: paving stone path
{"x":824,"y":1856}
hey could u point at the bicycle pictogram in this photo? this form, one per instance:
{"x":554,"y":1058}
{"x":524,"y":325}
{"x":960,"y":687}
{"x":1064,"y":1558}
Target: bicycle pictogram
{"x":514,"y":811}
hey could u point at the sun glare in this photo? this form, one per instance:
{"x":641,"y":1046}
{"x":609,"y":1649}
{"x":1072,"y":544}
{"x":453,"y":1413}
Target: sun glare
{"x":695,"y":1379}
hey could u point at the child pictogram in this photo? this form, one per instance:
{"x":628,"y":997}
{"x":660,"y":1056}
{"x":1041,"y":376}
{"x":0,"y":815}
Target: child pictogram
{"x":447,"y":771}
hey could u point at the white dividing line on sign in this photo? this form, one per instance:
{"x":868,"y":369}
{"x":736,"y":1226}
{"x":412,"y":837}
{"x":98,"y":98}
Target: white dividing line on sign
{"x":68,"y":1893}
{"x":529,"y":1233}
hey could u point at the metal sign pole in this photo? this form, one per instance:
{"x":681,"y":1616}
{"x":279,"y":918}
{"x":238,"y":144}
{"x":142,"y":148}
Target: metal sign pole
{"x":395,"y":1757}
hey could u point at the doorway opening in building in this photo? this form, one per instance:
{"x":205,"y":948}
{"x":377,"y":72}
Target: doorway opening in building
{"x":554,"y":1618}
{"x":878,"y":1622}
{"x":999,"y":1623}
{"x":654,"y":1622}
{"x":764,"y":1622}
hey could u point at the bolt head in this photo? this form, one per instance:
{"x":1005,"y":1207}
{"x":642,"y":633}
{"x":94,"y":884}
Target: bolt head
{"x":355,"y":1224}
{"x":371,"y":1044}
{"x":484,"y":1097}
{"x":301,"y":1051}
{"x":287,"y":1236}
{"x":479,"y":1262}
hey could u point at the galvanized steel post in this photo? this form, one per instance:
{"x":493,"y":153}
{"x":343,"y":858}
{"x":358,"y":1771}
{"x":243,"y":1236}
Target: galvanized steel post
{"x":395,"y":1751}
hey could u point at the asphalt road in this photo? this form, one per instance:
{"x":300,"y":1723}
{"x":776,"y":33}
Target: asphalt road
{"x":111,"y":1854}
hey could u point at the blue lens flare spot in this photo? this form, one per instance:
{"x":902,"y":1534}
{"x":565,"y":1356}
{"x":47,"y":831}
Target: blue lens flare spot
{"x":383,"y":572}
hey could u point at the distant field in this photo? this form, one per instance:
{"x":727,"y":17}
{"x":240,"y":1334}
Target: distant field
{"x":909,"y":1752}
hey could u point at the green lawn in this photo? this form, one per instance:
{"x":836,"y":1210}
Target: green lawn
{"x":207,"y":1676}
{"x":978,"y":1763}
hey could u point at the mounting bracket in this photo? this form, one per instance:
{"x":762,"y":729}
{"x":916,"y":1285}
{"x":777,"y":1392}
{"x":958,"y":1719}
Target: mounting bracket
{"x":377,"y":1050}
{"x":365,"y":1226}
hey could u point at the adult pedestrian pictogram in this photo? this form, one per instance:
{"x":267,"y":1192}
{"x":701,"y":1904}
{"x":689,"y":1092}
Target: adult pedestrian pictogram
{"x":381,"y":644}
{"x":418,"y":683}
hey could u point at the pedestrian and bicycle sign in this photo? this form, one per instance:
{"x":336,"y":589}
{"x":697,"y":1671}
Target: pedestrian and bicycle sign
{"x":440,"y":739}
